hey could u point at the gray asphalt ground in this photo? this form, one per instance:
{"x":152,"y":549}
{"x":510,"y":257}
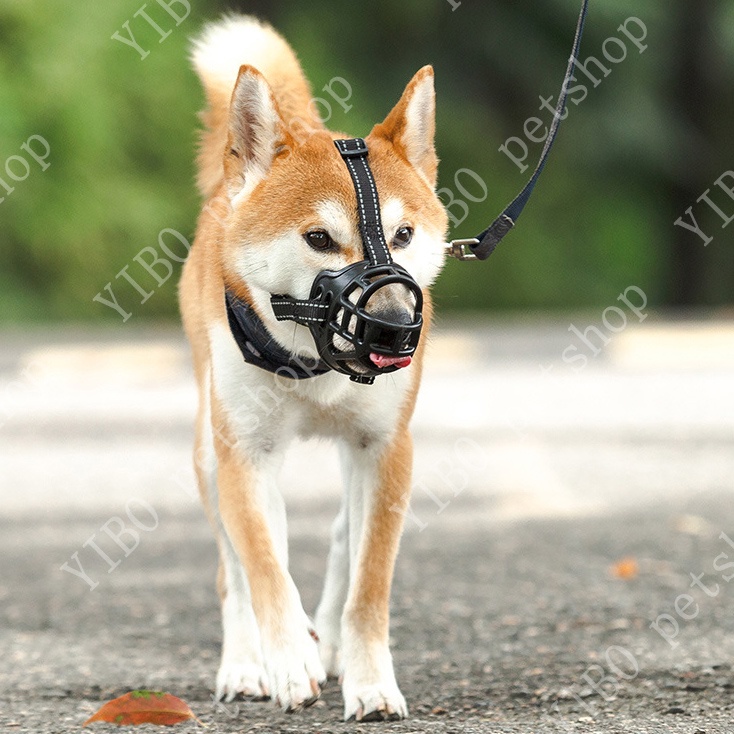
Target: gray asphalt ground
{"x":506,"y":613}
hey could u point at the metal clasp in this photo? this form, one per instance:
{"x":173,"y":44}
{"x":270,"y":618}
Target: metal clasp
{"x":460,"y":249}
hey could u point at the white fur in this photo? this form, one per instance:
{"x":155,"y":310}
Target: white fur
{"x":266,"y":415}
{"x":241,"y":669}
{"x":360,"y":478}
{"x":261,"y":415}
{"x":287,"y":266}
{"x":336,"y":220}
{"x":274,"y":270}
{"x":227,"y":44}
{"x":369,"y":680}
{"x":336,"y":587}
{"x":293,"y":662}
{"x":425,"y":255}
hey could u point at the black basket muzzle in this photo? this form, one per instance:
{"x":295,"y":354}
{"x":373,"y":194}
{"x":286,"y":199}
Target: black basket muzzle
{"x":350,"y":319}
{"x":355,"y":328}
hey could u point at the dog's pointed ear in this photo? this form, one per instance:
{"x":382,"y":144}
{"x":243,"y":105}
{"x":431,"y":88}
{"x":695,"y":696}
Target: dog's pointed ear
{"x":257,"y":132}
{"x":411,"y":126}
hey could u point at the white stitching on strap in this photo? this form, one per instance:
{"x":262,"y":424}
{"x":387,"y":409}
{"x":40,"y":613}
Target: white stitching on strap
{"x":343,"y":146}
{"x":360,"y":197}
{"x":381,"y":241}
{"x":286,"y":302}
{"x":296,"y":304}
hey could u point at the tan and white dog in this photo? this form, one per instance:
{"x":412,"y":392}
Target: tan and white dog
{"x":276,"y":190}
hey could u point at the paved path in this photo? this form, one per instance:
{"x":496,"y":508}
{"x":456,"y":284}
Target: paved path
{"x":531,"y":481}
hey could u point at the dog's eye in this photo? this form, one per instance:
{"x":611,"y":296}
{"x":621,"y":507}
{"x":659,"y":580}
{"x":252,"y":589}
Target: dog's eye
{"x":402,"y":237}
{"x":319,"y":240}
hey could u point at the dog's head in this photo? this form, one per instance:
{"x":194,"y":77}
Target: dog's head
{"x":293,"y":203}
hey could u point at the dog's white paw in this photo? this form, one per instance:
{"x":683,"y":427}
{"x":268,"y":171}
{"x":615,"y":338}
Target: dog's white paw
{"x":234,"y":678}
{"x":378,"y":702}
{"x":295,"y":672}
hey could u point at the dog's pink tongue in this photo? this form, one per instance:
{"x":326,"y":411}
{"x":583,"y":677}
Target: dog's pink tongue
{"x":380,"y":360}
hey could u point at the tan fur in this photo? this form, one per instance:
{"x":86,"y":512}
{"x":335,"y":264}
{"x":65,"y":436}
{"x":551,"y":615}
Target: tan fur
{"x":393,"y":129}
{"x":305,"y":172}
{"x":248,"y":530}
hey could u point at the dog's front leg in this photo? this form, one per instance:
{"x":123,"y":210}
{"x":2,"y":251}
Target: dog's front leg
{"x":379,"y":484}
{"x":254,"y":517}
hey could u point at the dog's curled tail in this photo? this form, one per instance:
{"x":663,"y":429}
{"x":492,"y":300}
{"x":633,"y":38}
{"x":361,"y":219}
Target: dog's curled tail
{"x":217,"y":55}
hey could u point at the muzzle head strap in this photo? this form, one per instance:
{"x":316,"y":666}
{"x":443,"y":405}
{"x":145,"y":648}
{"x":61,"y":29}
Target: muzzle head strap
{"x":354,"y":152}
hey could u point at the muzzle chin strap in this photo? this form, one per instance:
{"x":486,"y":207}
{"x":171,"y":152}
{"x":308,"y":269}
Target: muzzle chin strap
{"x":305,"y":313}
{"x":484,"y":244}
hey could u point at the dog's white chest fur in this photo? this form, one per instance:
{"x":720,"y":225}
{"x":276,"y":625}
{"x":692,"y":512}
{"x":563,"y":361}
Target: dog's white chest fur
{"x":266,"y":410}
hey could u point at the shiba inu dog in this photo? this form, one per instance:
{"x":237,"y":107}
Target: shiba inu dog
{"x":281,"y":208}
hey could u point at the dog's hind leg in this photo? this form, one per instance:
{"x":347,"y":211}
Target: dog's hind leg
{"x":379,"y":488}
{"x":241,"y":670}
{"x":336,"y":586}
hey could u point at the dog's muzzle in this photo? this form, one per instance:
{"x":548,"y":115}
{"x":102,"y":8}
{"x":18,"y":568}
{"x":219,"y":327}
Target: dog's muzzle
{"x":353,"y":333}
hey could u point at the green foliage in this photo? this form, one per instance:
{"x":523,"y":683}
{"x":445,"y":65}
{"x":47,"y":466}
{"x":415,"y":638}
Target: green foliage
{"x":630,"y":159}
{"x":121,"y":132}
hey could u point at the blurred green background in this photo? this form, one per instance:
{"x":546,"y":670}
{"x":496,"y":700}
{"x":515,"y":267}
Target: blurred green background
{"x":632,"y":157}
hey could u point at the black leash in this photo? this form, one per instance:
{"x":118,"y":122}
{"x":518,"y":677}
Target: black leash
{"x":484,"y":244}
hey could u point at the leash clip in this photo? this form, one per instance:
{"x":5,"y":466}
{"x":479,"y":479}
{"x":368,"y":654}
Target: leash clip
{"x":461,"y":249}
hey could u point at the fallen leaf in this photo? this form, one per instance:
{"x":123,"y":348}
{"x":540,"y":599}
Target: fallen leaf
{"x":626,"y":569}
{"x":144,"y":707}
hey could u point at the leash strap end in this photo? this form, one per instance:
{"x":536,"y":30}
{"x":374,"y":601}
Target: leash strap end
{"x":490,"y":238}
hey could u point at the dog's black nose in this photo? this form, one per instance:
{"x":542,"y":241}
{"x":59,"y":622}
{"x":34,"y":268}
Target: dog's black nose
{"x":395,"y":316}
{"x":391,"y":334}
